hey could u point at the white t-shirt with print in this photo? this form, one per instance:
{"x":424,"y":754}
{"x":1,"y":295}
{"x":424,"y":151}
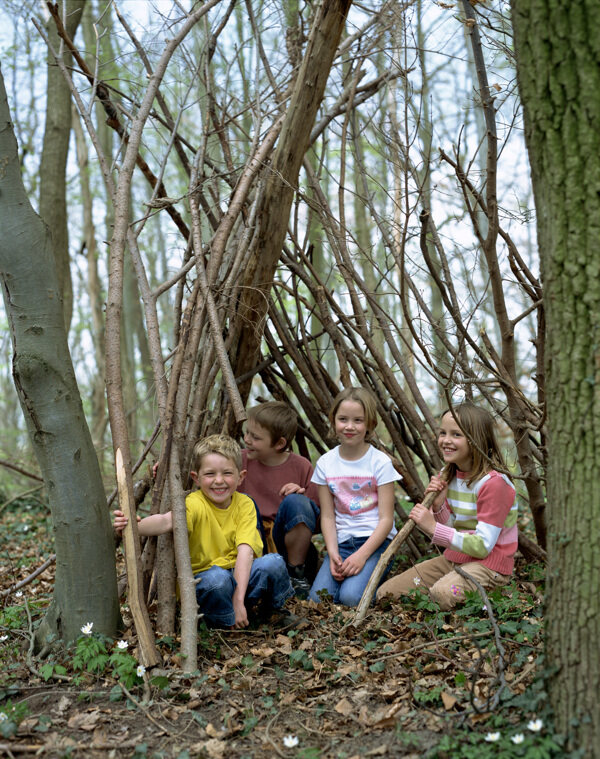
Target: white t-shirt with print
{"x":353,"y":485}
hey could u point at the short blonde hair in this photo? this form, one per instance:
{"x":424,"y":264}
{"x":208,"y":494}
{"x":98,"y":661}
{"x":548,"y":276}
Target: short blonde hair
{"x":359,"y":395}
{"x":221,"y":444}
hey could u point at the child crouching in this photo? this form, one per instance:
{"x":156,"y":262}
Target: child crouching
{"x":225,"y":544}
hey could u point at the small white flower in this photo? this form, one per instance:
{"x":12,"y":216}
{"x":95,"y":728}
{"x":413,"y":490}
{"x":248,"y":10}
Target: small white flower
{"x":141,"y":670}
{"x":18,"y":594}
{"x":417,"y":580}
{"x":3,"y":716}
{"x":87,"y":629}
{"x":122,"y":645}
{"x":492,"y":737}
{"x":518,"y":738}
{"x":289,"y":741}
{"x":535,"y":725}
{"x":484,"y":608}
{"x":3,"y":638}
{"x":25,"y":528}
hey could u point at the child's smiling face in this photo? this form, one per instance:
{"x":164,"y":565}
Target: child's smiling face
{"x":453,"y":444}
{"x":350,"y":425}
{"x":218,"y":478}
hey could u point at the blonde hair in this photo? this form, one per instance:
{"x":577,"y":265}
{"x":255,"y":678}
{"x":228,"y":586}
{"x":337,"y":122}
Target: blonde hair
{"x":479,"y":427}
{"x":359,"y":395}
{"x":221,"y":444}
{"x":278,"y":418}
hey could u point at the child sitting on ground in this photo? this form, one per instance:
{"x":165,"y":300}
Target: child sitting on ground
{"x":280,"y":483}
{"x":225,"y":543}
{"x":474,"y":515}
{"x":356,"y":489}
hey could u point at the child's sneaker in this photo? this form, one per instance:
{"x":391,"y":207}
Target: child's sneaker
{"x":299,"y":581}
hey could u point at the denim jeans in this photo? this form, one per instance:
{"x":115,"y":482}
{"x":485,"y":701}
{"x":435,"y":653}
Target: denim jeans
{"x":349,"y":591}
{"x":269,"y":583}
{"x":295,"y":509}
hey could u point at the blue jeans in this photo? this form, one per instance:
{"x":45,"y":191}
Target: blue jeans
{"x":269,"y":582}
{"x":349,"y":591}
{"x":295,"y":509}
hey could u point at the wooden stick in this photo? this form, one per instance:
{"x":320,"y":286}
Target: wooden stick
{"x":50,"y":560}
{"x":384,"y":560}
{"x":149,"y":654}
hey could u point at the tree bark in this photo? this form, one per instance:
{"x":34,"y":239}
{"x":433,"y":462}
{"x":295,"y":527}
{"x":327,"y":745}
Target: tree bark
{"x":53,"y":164}
{"x":86,"y":585}
{"x":283,"y":180}
{"x":558,"y":66}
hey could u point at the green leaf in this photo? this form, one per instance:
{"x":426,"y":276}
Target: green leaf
{"x":47,"y":670}
{"x":8,"y":728}
{"x":116,"y":694}
{"x":160,"y":681}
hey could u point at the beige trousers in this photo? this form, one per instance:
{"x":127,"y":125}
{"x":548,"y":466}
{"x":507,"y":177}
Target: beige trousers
{"x":439,"y":578}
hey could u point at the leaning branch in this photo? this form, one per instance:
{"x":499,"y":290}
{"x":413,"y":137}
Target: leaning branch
{"x":384,"y":560}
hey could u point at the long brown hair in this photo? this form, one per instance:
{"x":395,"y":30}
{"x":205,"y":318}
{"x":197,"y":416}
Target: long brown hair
{"x":479,"y":427}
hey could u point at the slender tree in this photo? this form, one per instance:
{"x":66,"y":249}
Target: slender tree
{"x":53,"y":165}
{"x":85,"y":589}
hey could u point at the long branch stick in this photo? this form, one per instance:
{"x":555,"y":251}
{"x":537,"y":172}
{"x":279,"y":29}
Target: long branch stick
{"x":148,"y":652}
{"x":384,"y":560}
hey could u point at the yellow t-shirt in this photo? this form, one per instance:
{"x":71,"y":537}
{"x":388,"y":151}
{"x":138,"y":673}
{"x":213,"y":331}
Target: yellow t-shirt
{"x":214,"y":534}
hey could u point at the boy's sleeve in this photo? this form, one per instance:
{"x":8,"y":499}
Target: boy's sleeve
{"x":247,"y":526}
{"x":311,"y":490}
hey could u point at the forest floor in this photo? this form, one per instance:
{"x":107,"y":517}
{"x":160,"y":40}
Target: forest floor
{"x":410,"y":681}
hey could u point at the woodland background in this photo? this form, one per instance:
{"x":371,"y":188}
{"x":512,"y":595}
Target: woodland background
{"x":244,"y":201}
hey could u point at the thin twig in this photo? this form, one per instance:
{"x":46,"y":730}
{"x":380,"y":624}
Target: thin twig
{"x":440,"y":641}
{"x":499,"y":647}
{"x":30,"y":577}
{"x":19,"y":496}
{"x":278,"y":751}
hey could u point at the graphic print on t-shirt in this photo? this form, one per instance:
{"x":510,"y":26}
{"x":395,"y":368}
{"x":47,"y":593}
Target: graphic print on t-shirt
{"x":354,"y":495}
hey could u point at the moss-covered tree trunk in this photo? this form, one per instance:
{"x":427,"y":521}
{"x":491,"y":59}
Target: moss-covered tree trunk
{"x":558,"y":64}
{"x":86,"y":586}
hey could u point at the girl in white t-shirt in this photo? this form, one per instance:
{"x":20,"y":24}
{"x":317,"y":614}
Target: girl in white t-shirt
{"x":356,"y":493}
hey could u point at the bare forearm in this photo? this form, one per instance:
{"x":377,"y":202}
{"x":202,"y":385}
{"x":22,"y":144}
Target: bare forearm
{"x":379,"y":534}
{"x":241,"y":571}
{"x":156,"y":524}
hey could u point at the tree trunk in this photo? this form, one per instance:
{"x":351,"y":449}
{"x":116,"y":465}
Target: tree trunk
{"x":86,"y":585}
{"x":558,"y":65}
{"x":53,"y":165}
{"x":282,"y":181}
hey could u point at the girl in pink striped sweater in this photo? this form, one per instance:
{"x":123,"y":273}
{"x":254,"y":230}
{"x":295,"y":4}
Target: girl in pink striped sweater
{"x":474,"y":516}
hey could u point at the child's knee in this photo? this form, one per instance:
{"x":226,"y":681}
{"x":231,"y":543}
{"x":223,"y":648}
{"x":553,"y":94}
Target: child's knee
{"x":350,"y":596}
{"x":273,"y":564}
{"x":214,"y":580}
{"x":296,"y":509}
{"x":447,"y":594}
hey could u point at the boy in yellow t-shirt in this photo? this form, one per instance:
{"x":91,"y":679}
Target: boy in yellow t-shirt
{"x":224,"y":539}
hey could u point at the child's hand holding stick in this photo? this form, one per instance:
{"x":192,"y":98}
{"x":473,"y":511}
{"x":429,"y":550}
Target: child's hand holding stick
{"x":432,"y":492}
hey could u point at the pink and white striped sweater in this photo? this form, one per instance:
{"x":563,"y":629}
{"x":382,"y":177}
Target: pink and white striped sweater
{"x":479,"y":522}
